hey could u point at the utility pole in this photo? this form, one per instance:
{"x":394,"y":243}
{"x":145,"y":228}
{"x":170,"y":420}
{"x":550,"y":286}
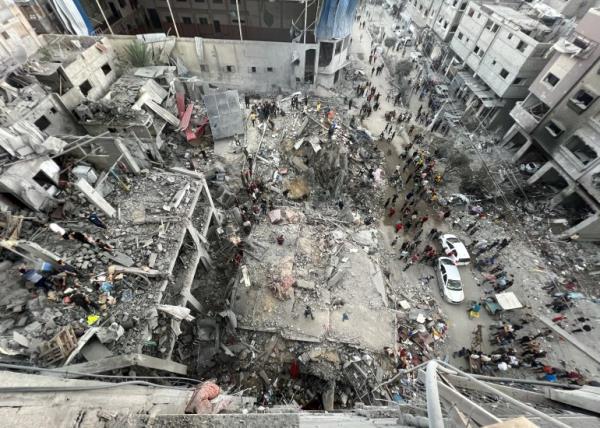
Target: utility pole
{"x":305,"y":18}
{"x":237,"y":7}
{"x":172,"y":18}
{"x":104,"y":16}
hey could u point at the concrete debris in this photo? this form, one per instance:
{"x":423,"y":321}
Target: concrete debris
{"x":311,"y":250}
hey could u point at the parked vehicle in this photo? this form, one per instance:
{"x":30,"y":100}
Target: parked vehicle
{"x":455,"y":249}
{"x":449,"y":280}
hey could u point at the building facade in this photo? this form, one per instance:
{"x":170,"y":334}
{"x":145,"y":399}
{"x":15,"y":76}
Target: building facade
{"x":41,"y":15}
{"x":18,"y":39}
{"x":277,"y":21}
{"x":499,"y":50}
{"x":557,"y":127}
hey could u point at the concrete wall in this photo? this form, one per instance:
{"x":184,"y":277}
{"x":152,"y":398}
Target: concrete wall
{"x":273,"y":62}
{"x":88,"y":67}
{"x":41,"y":16}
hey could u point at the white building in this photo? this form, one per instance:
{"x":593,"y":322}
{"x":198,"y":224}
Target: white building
{"x":499,"y":51}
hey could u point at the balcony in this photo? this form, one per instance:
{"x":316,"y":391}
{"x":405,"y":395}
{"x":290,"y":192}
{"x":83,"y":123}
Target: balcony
{"x":528,"y":113}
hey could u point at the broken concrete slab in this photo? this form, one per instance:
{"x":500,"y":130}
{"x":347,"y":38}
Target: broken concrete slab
{"x":95,"y":198}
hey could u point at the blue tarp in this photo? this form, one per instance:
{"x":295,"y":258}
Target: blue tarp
{"x":336,"y":19}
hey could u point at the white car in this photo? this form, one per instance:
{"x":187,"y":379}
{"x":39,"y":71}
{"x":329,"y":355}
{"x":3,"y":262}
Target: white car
{"x":455,"y":250}
{"x":449,"y":280}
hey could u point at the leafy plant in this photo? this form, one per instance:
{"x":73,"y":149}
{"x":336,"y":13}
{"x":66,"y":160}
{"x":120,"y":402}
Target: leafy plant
{"x":137,"y":54}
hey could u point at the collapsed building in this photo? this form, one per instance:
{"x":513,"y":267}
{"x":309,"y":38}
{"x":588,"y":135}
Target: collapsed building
{"x":183,"y":240}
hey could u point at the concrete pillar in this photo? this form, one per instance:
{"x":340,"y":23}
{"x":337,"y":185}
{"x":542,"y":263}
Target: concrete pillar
{"x":540,"y":173}
{"x":561,"y":196}
{"x":521,"y":151}
{"x":588,"y":229}
{"x":512,"y":131}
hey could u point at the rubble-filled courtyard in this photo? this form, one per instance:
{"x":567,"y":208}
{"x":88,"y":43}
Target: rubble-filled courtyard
{"x":285,"y":246}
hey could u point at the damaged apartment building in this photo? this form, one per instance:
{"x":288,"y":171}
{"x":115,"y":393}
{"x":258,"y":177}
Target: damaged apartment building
{"x":526,"y":70}
{"x":58,"y":160}
{"x":490,"y":51}
{"x":556,"y":129}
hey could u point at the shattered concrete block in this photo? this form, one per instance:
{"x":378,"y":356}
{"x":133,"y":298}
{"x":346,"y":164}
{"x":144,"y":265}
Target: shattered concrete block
{"x":306,"y":285}
{"x":35,"y":328}
{"x":275,"y":216}
{"x":20,"y":339}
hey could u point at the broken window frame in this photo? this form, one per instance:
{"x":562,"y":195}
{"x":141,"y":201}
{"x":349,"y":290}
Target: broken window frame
{"x":86,"y":91}
{"x":550,"y":128}
{"x":538,"y":110}
{"x":106,"y":73}
{"x":577,"y":105}
{"x":576,"y":141}
{"x":44,"y":123}
{"x":549,"y":78}
{"x":338,"y":47}
{"x":325,"y":53}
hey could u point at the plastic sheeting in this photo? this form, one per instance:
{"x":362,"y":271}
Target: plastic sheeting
{"x":72,"y":14}
{"x":337,"y":17}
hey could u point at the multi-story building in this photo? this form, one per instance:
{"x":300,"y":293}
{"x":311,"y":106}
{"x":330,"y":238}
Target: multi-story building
{"x":557,"y":127}
{"x":18,"y":39}
{"x":86,"y":17}
{"x":276,"y":21}
{"x":41,"y":15}
{"x":499,"y":50}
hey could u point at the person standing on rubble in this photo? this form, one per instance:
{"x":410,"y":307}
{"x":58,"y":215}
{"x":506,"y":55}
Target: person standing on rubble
{"x":318,"y":107}
{"x":308,"y":312}
{"x":253,"y":119}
